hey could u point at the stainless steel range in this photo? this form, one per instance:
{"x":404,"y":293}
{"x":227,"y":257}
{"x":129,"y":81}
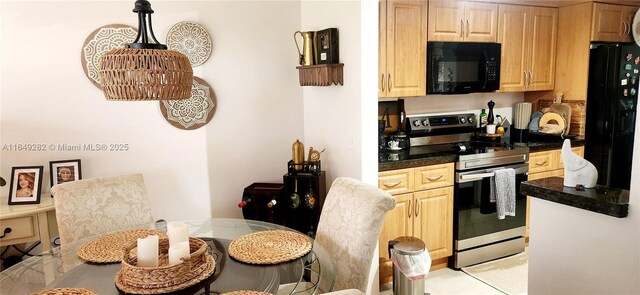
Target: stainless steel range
{"x":478,"y":234}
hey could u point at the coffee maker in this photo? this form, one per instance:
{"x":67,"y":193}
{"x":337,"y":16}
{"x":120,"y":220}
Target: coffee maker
{"x":382,"y":142}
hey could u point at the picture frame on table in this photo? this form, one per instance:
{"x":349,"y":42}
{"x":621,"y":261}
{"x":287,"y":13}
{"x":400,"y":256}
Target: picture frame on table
{"x":26,"y":182}
{"x":65,"y":171}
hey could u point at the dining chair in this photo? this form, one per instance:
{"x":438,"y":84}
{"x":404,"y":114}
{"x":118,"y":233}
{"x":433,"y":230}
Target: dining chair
{"x":346,"y":292}
{"x":94,"y":206}
{"x":349,"y":229}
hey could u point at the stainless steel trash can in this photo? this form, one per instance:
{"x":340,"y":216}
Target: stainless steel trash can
{"x":401,"y":284}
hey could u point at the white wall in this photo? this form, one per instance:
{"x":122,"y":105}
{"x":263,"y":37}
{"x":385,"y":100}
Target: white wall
{"x":332,"y":117}
{"x":574,"y":251}
{"x":46,"y":98}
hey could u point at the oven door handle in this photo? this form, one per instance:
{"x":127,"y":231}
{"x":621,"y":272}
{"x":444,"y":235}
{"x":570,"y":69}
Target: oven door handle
{"x":476,"y":176}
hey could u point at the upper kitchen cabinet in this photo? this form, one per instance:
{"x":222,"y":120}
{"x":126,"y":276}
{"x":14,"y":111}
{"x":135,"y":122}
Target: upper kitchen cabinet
{"x":612,"y":23}
{"x":578,"y":26}
{"x":402,"y":61}
{"x":461,"y":21}
{"x":528,"y":36}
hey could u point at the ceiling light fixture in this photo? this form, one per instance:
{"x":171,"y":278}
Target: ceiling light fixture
{"x":143,"y":70}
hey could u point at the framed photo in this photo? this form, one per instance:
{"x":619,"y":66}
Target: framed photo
{"x":64,"y":171}
{"x":25,"y":185}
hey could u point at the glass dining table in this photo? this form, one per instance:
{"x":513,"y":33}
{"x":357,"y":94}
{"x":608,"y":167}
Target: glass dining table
{"x":62,"y":268}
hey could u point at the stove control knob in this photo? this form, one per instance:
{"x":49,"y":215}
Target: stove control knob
{"x":463,"y":120}
{"x":416,"y":123}
{"x":470,"y":120}
{"x":425,"y":122}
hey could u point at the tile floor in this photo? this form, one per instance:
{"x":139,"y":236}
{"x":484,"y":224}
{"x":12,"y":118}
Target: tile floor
{"x":447,"y":281}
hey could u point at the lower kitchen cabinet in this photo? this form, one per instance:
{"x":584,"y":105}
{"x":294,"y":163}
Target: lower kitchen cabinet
{"x":433,"y":220}
{"x":426,"y":214}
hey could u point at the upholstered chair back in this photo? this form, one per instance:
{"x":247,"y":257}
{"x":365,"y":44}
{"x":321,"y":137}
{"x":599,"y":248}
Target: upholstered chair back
{"x":349,"y":229}
{"x":94,"y":206}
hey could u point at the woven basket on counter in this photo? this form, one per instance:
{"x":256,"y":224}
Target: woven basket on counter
{"x":165,"y":278}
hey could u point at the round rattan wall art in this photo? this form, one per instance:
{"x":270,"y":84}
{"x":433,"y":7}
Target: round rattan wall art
{"x":194,"y":112}
{"x":192,"y":40}
{"x":101,"y":41}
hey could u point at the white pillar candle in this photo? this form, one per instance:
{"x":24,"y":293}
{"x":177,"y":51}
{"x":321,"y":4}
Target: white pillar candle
{"x":148,"y":251}
{"x":178,"y":251}
{"x":177,"y":232}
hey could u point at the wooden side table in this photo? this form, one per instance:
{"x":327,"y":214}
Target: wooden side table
{"x":28,"y":223}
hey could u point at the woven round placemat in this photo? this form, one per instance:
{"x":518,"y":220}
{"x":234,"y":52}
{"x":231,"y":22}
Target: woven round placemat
{"x":270,"y":247}
{"x":246,"y":292}
{"x":66,"y":291}
{"x":205,"y":273}
{"x":108,"y":249}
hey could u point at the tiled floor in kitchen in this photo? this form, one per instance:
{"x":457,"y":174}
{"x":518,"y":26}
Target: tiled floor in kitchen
{"x":447,"y":281}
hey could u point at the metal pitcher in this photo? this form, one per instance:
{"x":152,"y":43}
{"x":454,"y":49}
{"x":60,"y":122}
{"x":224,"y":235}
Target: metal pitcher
{"x":306,"y":56}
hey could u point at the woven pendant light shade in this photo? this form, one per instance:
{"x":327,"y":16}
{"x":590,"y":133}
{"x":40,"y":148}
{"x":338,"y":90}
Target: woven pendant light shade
{"x":145,"y":74}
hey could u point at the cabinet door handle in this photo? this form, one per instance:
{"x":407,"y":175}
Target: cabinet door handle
{"x":382,"y":81}
{"x":5,"y":232}
{"x":530,"y":77}
{"x":393,"y":184}
{"x":389,"y":82}
{"x":541,"y":163}
{"x":526,"y":78}
{"x":409,"y":215}
{"x":417,"y":207}
{"x":434,"y":178}
{"x":468,"y":28}
{"x":461,"y":28}
{"x":627,"y":29}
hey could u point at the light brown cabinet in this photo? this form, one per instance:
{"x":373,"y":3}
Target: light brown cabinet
{"x":402,"y":61}
{"x":612,"y":23}
{"x":546,"y":164}
{"x":424,"y":209}
{"x":578,"y":26}
{"x":461,"y":21}
{"x":528,"y":36}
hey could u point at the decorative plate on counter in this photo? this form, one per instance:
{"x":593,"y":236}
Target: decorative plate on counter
{"x":100,"y":41}
{"x":635,"y":28}
{"x":192,"y":40}
{"x":193,"y":112}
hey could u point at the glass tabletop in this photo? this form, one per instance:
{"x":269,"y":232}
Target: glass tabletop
{"x":61,"y":267}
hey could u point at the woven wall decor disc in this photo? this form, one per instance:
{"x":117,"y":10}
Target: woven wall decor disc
{"x":109,"y":248}
{"x":246,"y":292}
{"x":101,"y":41}
{"x":270,"y":247}
{"x":193,"y":112}
{"x":66,"y":291}
{"x":205,"y":272}
{"x":192,"y":40}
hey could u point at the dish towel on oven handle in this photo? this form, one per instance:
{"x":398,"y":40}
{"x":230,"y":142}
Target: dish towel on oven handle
{"x":503,"y":192}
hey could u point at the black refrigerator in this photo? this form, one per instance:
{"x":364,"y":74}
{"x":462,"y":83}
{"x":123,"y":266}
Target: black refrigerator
{"x":611,"y":111}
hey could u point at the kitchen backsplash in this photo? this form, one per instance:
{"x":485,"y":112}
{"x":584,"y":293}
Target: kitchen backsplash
{"x":472,"y":103}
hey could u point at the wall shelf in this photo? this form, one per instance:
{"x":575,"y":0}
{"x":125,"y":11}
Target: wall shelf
{"x":321,"y":75}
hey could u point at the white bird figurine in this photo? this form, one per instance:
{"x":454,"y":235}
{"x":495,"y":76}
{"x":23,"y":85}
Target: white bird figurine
{"x":576,"y":169}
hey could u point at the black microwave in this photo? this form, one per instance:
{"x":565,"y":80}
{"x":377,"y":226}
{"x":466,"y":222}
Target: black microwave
{"x":462,"y":67}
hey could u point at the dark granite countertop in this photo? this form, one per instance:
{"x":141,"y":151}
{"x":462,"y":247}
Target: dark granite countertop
{"x":606,"y":200}
{"x":389,"y":160}
{"x":538,"y":146}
